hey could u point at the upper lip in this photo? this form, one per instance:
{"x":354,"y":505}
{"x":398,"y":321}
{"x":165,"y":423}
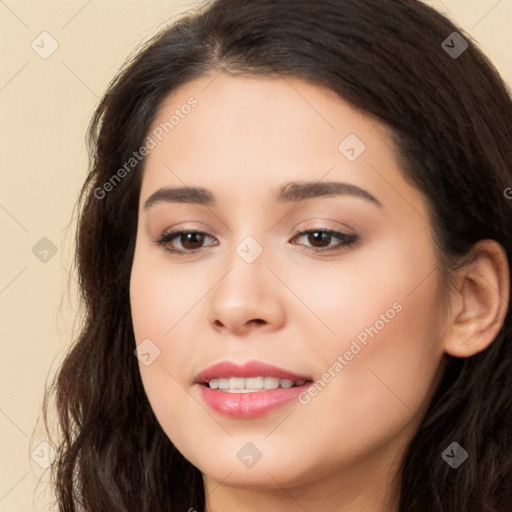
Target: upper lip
{"x":226,"y":369}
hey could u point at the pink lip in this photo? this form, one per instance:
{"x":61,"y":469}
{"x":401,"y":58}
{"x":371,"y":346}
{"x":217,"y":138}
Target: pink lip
{"x":252,"y":368}
{"x":253,"y":404}
{"x":249,"y":405}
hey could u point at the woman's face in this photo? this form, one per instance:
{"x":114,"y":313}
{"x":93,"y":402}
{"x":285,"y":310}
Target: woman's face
{"x":360,"y":317}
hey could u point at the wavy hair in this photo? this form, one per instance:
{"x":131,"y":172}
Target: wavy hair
{"x":451,"y":122}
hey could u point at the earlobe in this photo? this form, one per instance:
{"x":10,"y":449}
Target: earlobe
{"x":481,"y":301}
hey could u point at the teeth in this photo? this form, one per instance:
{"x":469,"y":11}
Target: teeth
{"x":270,"y":382}
{"x":251,"y":384}
{"x":236,"y":382}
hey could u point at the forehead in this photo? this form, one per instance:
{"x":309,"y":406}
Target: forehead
{"x":244,"y":136}
{"x":261,"y":112}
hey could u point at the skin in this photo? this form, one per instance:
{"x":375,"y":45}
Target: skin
{"x":292,"y":307}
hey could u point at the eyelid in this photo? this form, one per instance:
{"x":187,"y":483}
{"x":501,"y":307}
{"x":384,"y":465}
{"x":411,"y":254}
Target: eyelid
{"x":316,"y":220}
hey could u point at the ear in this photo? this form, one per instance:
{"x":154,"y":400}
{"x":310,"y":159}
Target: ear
{"x":480,"y":302}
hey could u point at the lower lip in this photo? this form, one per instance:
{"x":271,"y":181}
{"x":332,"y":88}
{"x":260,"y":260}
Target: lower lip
{"x":249,"y":405}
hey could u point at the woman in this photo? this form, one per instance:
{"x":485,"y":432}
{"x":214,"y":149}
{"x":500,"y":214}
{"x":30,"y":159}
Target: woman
{"x":296,"y":219}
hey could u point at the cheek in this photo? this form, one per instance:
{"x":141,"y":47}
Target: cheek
{"x":162,"y":296}
{"x":390,"y":355}
{"x":162,"y":303}
{"x":380,"y":345}
{"x":384,"y":379}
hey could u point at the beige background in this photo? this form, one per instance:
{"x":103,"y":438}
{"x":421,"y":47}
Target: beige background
{"x":45,"y":107}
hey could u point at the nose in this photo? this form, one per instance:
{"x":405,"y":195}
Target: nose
{"x":248,"y":298}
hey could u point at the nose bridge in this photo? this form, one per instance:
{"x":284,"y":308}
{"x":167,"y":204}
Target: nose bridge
{"x":247,"y":260}
{"x":247,"y":291}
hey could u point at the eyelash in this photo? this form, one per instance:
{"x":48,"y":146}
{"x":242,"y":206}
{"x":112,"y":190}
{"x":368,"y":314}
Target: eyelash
{"x":347,"y":241}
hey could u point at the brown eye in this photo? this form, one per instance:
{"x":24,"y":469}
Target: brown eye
{"x":190,"y":241}
{"x":321,"y":238}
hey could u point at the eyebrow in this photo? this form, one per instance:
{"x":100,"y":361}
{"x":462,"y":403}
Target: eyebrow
{"x":291,"y":192}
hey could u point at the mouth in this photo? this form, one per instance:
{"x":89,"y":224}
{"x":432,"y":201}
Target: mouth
{"x":250,"y":390}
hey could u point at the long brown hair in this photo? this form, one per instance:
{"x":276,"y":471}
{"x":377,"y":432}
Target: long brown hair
{"x":451,"y":120}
